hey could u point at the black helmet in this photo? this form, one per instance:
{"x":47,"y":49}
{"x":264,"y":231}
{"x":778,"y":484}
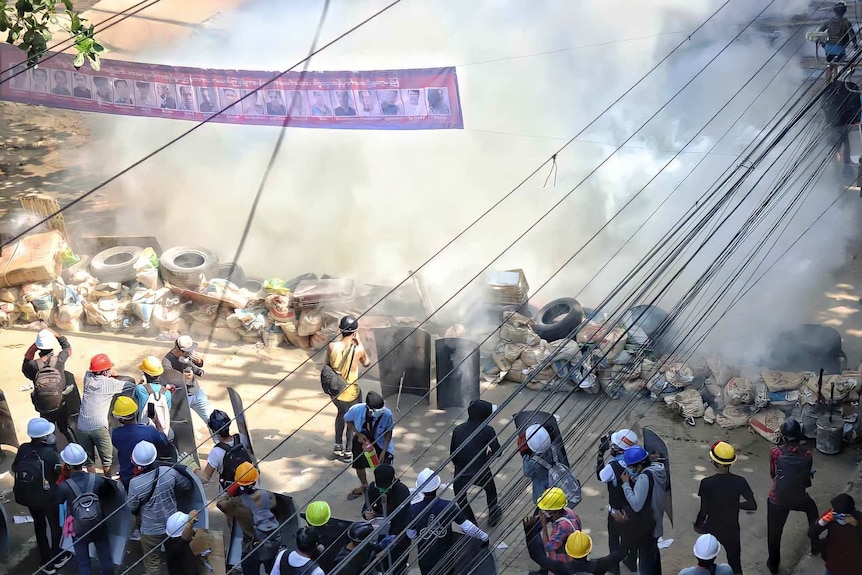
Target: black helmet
{"x":791,"y":430}
{"x":840,"y":8}
{"x":307,"y":540}
{"x":359,"y":531}
{"x":348,"y":324}
{"x":219,"y":422}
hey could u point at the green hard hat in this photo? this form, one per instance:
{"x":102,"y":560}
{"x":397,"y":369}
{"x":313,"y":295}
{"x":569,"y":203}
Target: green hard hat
{"x":317,"y":513}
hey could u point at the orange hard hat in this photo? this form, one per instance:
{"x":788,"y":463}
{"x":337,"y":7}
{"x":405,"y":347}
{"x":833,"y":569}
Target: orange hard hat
{"x":100,"y":362}
{"x":246,"y":473}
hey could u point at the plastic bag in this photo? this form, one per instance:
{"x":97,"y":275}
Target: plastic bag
{"x":147,"y":268}
{"x":310,"y":322}
{"x":276,"y":286}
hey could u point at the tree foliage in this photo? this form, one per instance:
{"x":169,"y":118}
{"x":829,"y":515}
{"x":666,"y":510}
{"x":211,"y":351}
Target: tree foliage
{"x":27,"y":23}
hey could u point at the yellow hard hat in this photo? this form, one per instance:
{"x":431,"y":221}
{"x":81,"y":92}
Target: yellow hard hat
{"x":317,"y":513}
{"x":151,"y":366}
{"x":722,"y":453}
{"x":246,"y":473}
{"x":124,"y":406}
{"x":552,"y":499}
{"x":578,"y":545}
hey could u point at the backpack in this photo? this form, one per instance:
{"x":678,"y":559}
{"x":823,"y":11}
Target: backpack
{"x":86,"y":510}
{"x":838,"y":31}
{"x":163,"y":412}
{"x":267,"y":539}
{"x":331,"y":380}
{"x":48,"y":385}
{"x":32,"y":488}
{"x":561,"y":476}
{"x":792,"y":477}
{"x":234,"y":455}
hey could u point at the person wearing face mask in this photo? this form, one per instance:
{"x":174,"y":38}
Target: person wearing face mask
{"x":608,"y":471}
{"x":36,"y":469}
{"x":300,"y":561}
{"x":385,"y":495}
{"x":644,"y":483}
{"x":183,"y":358}
{"x":371,"y":424}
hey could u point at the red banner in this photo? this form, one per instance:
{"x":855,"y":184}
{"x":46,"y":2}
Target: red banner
{"x":417,"y":99}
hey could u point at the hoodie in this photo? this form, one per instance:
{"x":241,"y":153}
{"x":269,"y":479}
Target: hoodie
{"x":637,"y":495}
{"x":477,"y":451}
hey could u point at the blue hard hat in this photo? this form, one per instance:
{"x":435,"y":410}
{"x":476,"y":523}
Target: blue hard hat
{"x":635,"y":455}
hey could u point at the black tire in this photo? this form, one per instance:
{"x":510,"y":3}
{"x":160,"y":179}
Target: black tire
{"x":252,"y":284}
{"x":188,"y":266}
{"x":231,"y":272}
{"x":558,"y":319}
{"x":649,"y":318}
{"x":116,"y":264}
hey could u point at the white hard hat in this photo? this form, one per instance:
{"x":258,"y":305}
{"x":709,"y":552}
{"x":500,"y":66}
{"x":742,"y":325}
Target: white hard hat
{"x":433,"y":481}
{"x":39,"y":427}
{"x":46,"y":340}
{"x":73,"y":454}
{"x":176,"y":524}
{"x":624,"y":439}
{"x":144,"y":453}
{"x":186,"y":343}
{"x":538,"y":438}
{"x":706,"y":547}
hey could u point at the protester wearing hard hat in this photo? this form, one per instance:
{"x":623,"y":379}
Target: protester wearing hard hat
{"x":578,"y":546}
{"x":540,"y":455}
{"x":179,"y":556}
{"x":432,"y":523}
{"x":706,"y":549}
{"x":50,"y":378}
{"x":153,"y":496}
{"x":151,"y":391}
{"x":318,"y":513}
{"x":344,"y":355}
{"x":100,"y":387}
{"x":608,"y":471}
{"x":130,"y":433}
{"x":644,"y":485}
{"x":182,"y":358}
{"x":557,"y":522}
{"x":720,"y":503}
{"x":78,"y":483}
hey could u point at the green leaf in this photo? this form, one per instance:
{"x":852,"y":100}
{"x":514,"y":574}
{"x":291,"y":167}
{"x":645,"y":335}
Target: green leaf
{"x":98,"y":48}
{"x":79,"y":60}
{"x":68,"y":4}
{"x":95,"y":62}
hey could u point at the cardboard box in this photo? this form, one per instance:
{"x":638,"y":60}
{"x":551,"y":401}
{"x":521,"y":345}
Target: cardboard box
{"x":33,"y":258}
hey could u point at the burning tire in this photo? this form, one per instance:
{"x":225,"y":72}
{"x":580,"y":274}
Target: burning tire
{"x":188,"y":266}
{"x":115,"y":264}
{"x":558,"y":319}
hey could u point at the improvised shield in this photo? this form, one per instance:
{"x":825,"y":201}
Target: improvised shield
{"x":333,"y":537}
{"x":405,"y":352}
{"x":195,"y":499}
{"x":181,"y":417}
{"x":4,"y":531}
{"x":242,"y":427}
{"x":655,"y":444}
{"x":524,"y":419}
{"x":7,"y":425}
{"x":119,"y":521}
{"x":72,"y":397}
{"x":285,"y":514}
{"x":457,"y":364}
{"x":471,"y":558}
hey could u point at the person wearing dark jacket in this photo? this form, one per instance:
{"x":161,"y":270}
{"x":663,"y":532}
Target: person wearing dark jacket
{"x":843,"y":546}
{"x":385,"y":495}
{"x":472,"y":461}
{"x":357,"y":533}
{"x":609,"y":471}
{"x":47,"y":342}
{"x":578,"y":548}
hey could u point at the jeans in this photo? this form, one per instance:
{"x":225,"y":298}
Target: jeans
{"x":340,"y":426}
{"x":103,"y":552}
{"x":42,"y":519}
{"x":200,"y":404}
{"x":538,"y":475}
{"x":649,"y":559}
{"x":152,"y":560}
{"x":97,"y":441}
{"x":484,"y":480}
{"x":776,"y":517}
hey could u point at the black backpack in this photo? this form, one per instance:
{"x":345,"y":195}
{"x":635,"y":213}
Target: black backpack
{"x":792,"y":476}
{"x":331,"y":380}
{"x":32,"y":488}
{"x":234,"y":456}
{"x":86,"y":509}
{"x":267,"y":538}
{"x":48,"y":386}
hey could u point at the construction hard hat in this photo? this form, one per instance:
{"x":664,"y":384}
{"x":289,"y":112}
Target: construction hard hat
{"x":39,"y":427}
{"x":246,"y":474}
{"x":722,"y":453}
{"x":553,"y":499}
{"x":427,"y":481}
{"x":318,"y":513}
{"x":73,"y":454}
{"x":348,"y":324}
{"x":186,"y":344}
{"x":624,"y":439}
{"x":706,"y":547}
{"x":151,"y":366}
{"x":46,"y":340}
{"x":100,"y":362}
{"x":635,"y":455}
{"x":578,"y":545}
{"x":144,"y":453}
{"x":124,"y":406}
{"x":538,"y":438}
{"x":176,"y":524}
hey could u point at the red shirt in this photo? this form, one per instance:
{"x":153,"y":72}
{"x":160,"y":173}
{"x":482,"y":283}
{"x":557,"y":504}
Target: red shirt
{"x":774,"y":454}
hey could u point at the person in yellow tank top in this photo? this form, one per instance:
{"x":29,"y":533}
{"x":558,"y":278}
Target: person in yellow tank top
{"x":345,"y":355}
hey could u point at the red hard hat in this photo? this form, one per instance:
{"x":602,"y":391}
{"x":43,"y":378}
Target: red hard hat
{"x":100,"y":362}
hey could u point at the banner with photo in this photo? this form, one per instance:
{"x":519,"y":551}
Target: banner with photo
{"x":418,"y":99}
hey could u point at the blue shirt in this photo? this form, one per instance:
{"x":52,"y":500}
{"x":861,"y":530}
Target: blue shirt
{"x":125,"y":439}
{"x":385,"y":423}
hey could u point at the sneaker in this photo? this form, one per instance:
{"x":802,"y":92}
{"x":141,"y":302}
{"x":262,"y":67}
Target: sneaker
{"x":64,"y":558}
{"x":347,"y":457}
{"x":135,"y":536}
{"x":338,"y":451}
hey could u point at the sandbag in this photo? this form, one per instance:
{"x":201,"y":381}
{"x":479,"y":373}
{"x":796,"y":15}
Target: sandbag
{"x":10,"y":294}
{"x":535,"y":354}
{"x":310,"y":322}
{"x":721,"y":371}
{"x":498,"y":356}
{"x":738,"y":391}
{"x":518,"y":332}
{"x":512,"y":351}
{"x":678,"y":374}
{"x":845,"y":383}
{"x":517,"y":371}
{"x":592,"y":332}
{"x":733,"y":416}
{"x":318,"y":340}
{"x":785,"y":380}
{"x":687,"y":403}
{"x":767,"y":424}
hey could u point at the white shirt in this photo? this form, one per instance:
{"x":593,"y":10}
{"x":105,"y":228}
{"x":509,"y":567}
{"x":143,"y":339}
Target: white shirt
{"x":216,"y":458}
{"x":294,"y":560}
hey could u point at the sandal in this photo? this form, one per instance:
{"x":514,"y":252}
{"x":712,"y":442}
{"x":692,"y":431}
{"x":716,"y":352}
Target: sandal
{"x":356,"y":493}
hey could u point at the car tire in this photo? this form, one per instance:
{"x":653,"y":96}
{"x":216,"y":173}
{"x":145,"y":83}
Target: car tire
{"x":115,"y":264}
{"x":254,"y":285}
{"x":558,"y":319}
{"x":231,"y":272}
{"x":188,"y":266}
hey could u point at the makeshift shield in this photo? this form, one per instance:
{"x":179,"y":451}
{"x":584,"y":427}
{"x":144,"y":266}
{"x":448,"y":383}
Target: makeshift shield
{"x":285,"y":513}
{"x":72,"y":397}
{"x":4,"y":531}
{"x":404,"y":352}
{"x":470,"y":558}
{"x":655,"y":444}
{"x":181,"y":417}
{"x":119,"y":521}
{"x":333,"y":537}
{"x":212,"y":543}
{"x":242,"y":427}
{"x":524,"y":419}
{"x":7,"y":425}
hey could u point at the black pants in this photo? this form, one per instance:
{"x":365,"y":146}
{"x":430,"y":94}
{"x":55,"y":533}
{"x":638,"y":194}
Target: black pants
{"x":251,"y":565}
{"x":399,"y":553}
{"x":484,"y":480}
{"x":776,"y":517}
{"x":618,"y":540}
{"x":47,"y":519}
{"x":649,"y":559}
{"x":340,"y":426}
{"x":729,"y":539}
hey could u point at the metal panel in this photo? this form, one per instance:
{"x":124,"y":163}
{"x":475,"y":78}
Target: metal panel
{"x":457,"y":365}
{"x":410,"y":358}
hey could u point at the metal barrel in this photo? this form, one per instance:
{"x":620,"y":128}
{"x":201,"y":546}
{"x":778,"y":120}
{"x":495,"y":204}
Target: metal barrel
{"x":829,"y":434}
{"x":457,"y":361}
